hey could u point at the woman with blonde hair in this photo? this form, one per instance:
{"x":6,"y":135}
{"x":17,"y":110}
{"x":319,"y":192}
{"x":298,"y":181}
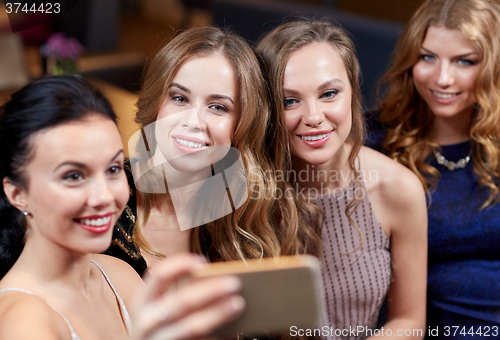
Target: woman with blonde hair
{"x":203,"y":95}
{"x":441,"y":118}
{"x":373,"y":233}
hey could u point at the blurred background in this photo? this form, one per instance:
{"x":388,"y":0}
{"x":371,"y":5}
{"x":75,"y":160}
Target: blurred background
{"x":118,"y":36}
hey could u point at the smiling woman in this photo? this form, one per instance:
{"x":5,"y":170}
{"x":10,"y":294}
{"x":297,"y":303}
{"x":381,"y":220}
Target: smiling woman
{"x":63,"y":188}
{"x":373,"y":232}
{"x":203,"y":108}
{"x":440,"y":117}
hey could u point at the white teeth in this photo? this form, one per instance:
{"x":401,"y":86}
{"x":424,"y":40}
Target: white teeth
{"x":444,"y":95}
{"x":96,"y":222}
{"x":314,"y":137}
{"x":189,"y":144}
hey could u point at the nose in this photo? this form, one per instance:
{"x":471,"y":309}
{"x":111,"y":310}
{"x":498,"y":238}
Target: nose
{"x":101,"y":194}
{"x":192,"y":119}
{"x":314,"y":115}
{"x":445,"y":77}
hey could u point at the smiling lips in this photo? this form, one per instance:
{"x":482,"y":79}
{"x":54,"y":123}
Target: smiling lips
{"x":96,"y":224}
{"x":188,"y":144}
{"x":315,"y":139}
{"x":443,"y":97}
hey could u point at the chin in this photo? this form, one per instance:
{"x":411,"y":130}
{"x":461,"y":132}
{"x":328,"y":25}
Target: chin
{"x":186,"y":165}
{"x":445,"y":112}
{"x":99,"y":247}
{"x":314,"y":159}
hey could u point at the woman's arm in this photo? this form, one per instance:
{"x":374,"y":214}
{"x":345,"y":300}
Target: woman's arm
{"x":399,"y":203}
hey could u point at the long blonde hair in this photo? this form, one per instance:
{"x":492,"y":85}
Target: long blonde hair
{"x":262,"y":226}
{"x":408,"y":116}
{"x":274,"y":50}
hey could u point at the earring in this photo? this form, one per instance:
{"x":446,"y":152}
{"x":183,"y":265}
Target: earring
{"x":25,"y":213}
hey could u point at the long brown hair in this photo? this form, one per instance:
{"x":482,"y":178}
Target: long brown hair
{"x":262,"y":226}
{"x":274,"y":50}
{"x":408,"y":116}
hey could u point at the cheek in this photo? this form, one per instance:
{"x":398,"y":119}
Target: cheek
{"x":50,"y":203}
{"x":165,"y":122}
{"x":467,"y":79}
{"x":222,"y":130}
{"x":121,"y":192}
{"x":419,"y":76}
{"x":292,"y":121}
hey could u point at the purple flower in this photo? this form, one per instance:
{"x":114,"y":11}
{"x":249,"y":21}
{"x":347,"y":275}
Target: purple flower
{"x":59,"y":46}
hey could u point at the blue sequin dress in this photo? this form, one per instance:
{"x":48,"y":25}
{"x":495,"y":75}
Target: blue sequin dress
{"x":464,"y":251}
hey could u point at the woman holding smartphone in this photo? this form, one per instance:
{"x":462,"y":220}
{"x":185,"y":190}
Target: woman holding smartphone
{"x":63,"y":188}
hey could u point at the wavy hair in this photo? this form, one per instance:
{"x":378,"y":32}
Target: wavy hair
{"x":408,"y":116}
{"x":274,"y":50}
{"x":262,"y":226}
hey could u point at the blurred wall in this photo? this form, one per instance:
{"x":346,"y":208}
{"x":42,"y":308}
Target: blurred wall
{"x":165,"y":11}
{"x":400,"y":10}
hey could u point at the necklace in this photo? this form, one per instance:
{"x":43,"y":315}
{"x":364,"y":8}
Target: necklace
{"x":461,"y":163}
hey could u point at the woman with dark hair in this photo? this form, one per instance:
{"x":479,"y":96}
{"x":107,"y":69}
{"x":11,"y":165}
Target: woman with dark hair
{"x":374,"y":226}
{"x":63,"y":188}
{"x":440,"y":117}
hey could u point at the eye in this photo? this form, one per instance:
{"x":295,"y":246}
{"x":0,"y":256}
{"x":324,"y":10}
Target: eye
{"x":467,"y":62}
{"x":219,"y":108}
{"x":427,"y":57}
{"x":329,"y":94}
{"x":289,"y":102}
{"x":73,"y":177}
{"x":179,"y":99}
{"x":115,"y":170}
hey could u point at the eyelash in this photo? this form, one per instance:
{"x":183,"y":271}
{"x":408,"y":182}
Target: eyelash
{"x":219,"y":108}
{"x":289,"y":99}
{"x":183,"y":100}
{"x":118,"y":169}
{"x":70,"y":176}
{"x":332,"y":92}
{"x":179,"y":99}
{"x":466,"y":62}
{"x":426,"y":57}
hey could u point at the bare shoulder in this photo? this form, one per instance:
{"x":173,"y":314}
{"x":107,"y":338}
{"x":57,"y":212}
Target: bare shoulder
{"x":25,"y":316}
{"x":395,"y":192}
{"x":391,"y":181}
{"x":123,"y":277}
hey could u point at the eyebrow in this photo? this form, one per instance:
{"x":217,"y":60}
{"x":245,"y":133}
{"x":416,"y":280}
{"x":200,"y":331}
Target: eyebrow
{"x":183,"y":88}
{"x":81,"y":165}
{"x":212,"y":96}
{"x":221,"y":96}
{"x":458,"y":56}
{"x":330,"y":83}
{"x":325,"y":85}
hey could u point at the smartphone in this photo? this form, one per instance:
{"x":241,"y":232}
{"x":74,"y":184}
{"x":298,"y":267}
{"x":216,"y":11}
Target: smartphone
{"x":279,"y":293}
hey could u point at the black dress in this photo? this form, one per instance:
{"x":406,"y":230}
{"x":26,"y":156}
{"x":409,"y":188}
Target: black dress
{"x":122,"y":246}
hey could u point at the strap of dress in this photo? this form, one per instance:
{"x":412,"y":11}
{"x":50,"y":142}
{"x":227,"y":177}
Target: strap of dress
{"x":123,"y":308}
{"x":73,"y":334}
